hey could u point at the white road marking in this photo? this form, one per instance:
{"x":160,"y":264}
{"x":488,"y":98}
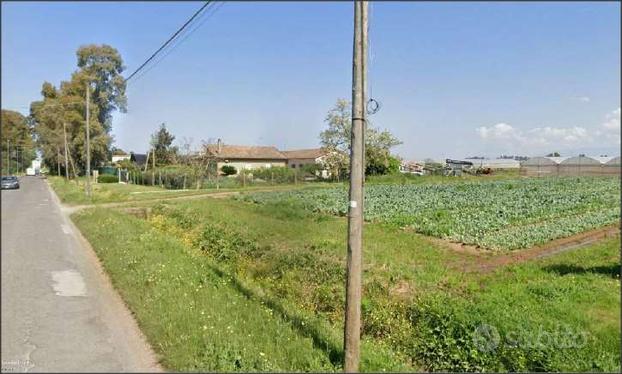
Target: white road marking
{"x":68,"y":283}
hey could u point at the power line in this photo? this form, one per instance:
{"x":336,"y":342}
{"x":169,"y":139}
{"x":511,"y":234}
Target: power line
{"x":200,"y":21}
{"x":169,"y":40}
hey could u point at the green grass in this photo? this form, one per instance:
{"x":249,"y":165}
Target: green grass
{"x":421,"y":310}
{"x":194,"y":318}
{"x":73,"y":193}
{"x":497,"y":215}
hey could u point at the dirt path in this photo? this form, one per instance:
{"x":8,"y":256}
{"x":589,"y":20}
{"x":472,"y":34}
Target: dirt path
{"x":69,"y":209}
{"x":481,"y":261}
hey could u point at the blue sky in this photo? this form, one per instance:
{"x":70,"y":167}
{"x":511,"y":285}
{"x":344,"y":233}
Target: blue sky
{"x":454,"y":79}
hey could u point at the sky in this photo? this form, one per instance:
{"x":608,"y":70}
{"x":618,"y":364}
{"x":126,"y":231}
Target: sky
{"x":454,"y":79}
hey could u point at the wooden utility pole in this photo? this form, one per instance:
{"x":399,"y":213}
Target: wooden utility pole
{"x":147,"y":162}
{"x":57,"y":161}
{"x":66,"y":159}
{"x":352,"y":330}
{"x":88,"y":142}
{"x":8,"y":157}
{"x":153,"y":166}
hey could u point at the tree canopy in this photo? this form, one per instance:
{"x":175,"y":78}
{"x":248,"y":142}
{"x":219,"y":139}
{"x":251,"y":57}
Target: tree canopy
{"x":337,"y":137}
{"x":162,"y":143}
{"x":99,"y":66}
{"x":17,"y":131}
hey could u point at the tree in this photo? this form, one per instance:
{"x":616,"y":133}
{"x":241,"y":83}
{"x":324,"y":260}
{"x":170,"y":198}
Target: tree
{"x":67,"y":106}
{"x":336,"y":140}
{"x":21,"y":151}
{"x":100,"y":66}
{"x":103,"y":65}
{"x":228,"y":170}
{"x":162,"y":141}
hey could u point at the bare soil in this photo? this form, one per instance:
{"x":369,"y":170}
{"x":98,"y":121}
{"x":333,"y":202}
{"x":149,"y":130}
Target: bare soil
{"x":479,"y":260}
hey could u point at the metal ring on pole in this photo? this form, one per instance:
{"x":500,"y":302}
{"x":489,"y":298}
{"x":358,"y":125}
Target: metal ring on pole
{"x":373,"y":106}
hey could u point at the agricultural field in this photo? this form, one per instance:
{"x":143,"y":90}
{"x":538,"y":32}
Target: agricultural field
{"x":495,"y":215}
{"x":73,"y":193}
{"x":226,"y":285}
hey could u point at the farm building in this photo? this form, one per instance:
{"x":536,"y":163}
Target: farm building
{"x":138,"y":158}
{"x":570,"y":166}
{"x":498,"y":163}
{"x":243,"y":157}
{"x":456,"y":167}
{"x":301,"y":157}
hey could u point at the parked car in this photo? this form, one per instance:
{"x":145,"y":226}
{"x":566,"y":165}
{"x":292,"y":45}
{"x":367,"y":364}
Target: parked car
{"x":10,"y":182}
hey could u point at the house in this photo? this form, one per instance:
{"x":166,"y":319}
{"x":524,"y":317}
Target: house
{"x":244,"y":157}
{"x":138,"y":158}
{"x":119,"y":155}
{"x":298,"y":158}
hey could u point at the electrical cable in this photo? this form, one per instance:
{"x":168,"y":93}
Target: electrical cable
{"x":207,"y":15}
{"x":169,"y":40}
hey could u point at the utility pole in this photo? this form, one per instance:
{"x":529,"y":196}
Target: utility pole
{"x":66,"y":160}
{"x":8,"y":157}
{"x":57,"y":161}
{"x":352,"y":329}
{"x":88,"y":143}
{"x":153,"y":168}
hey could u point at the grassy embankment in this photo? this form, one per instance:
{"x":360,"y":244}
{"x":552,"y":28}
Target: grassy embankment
{"x":421,"y":310}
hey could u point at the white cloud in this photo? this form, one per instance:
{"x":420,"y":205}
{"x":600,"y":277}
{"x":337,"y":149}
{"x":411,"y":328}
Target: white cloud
{"x":612,"y":122}
{"x":611,"y":127}
{"x":536,"y":137}
{"x":583,"y":99}
{"x":500,"y":131}
{"x":503,"y":135}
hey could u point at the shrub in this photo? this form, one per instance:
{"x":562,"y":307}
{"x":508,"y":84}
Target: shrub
{"x":228,"y":170}
{"x":107,"y":178}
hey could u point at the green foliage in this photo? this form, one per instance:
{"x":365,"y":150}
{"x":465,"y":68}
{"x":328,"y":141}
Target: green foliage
{"x":278,"y":174}
{"x":18,"y":133}
{"x":222,"y":243}
{"x":161,"y":142}
{"x":421,"y":308}
{"x":336,"y":139}
{"x":101,"y":67}
{"x":228,"y":170}
{"x":506,"y":214}
{"x":194,"y":316}
{"x":107,"y":178}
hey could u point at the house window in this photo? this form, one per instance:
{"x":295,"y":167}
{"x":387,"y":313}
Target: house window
{"x":294,"y":166}
{"x":299,"y":165}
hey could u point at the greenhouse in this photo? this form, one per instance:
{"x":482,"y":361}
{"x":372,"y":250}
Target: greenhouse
{"x":541,"y":166}
{"x":571,"y":166}
{"x":612,"y":167}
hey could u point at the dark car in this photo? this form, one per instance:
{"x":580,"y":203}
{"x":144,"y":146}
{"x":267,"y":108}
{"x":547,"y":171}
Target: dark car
{"x":10,"y":183}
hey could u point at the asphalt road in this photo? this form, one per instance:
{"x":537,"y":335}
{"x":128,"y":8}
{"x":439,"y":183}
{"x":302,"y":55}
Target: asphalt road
{"x":59,"y":311}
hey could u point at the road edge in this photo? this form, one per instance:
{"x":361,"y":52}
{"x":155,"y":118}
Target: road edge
{"x":148,"y":359}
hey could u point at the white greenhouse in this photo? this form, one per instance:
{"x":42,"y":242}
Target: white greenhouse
{"x":570,"y":166}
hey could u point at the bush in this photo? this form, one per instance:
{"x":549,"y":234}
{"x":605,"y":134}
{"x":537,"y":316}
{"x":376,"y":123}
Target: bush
{"x":228,"y":170}
{"x":107,"y":178}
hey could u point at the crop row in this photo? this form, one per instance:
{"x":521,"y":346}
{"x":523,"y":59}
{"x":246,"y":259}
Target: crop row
{"x":509,"y":214}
